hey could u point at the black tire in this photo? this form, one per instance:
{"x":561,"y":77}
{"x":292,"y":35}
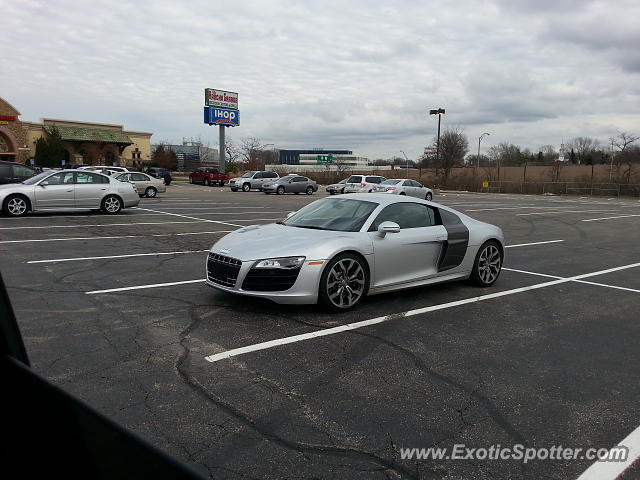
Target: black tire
{"x":488,"y":264}
{"x":342,"y":191}
{"x":111,"y":204}
{"x":16,"y":206}
{"x":151,"y":192}
{"x":331,"y":192}
{"x":206,"y":182}
{"x":402,"y":193}
{"x":428,"y":197}
{"x":246,"y":187}
{"x":234,"y":189}
{"x":309,"y":190}
{"x":327,"y":293}
{"x":280,"y":190}
{"x":296,"y":193}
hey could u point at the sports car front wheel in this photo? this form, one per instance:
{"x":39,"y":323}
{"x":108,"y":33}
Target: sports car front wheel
{"x":344,"y":282}
{"x":488,"y":264}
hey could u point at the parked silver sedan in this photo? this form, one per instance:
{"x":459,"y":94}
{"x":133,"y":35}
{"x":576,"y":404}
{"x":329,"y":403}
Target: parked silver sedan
{"x":291,"y":184}
{"x":339,"y":249}
{"x":336,"y":187}
{"x":146,"y":185}
{"x":63,"y":189}
{"x":404,"y":186}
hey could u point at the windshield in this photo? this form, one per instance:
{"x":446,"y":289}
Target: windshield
{"x":247,"y":175}
{"x":393,"y":181}
{"x":332,"y":214}
{"x":35,"y":179}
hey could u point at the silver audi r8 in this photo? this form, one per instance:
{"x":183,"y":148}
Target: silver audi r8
{"x":339,"y":249}
{"x":63,"y":189}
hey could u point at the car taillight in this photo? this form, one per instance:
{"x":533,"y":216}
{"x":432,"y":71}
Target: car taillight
{"x":363,"y":184}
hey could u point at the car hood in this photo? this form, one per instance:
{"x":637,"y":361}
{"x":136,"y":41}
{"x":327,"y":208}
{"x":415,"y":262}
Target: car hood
{"x":257,"y":242}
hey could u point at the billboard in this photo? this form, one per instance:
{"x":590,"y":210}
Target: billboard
{"x":220,"y":98}
{"x":221,"y":116}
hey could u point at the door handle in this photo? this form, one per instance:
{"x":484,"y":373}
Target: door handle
{"x":103,"y":189}
{"x":69,"y":191}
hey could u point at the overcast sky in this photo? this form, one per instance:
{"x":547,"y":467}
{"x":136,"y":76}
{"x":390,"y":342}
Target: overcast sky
{"x":360,"y":75}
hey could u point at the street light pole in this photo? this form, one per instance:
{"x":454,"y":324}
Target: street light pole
{"x":479,"y":140}
{"x":405,"y":157}
{"x":439,"y":112}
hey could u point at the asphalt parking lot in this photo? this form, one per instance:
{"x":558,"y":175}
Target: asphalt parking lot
{"x":114,"y":310}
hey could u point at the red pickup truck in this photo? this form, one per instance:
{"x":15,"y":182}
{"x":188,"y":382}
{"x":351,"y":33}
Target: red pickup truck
{"x":208,"y":176}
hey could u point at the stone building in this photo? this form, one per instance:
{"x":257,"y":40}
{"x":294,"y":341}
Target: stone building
{"x":85,"y":142}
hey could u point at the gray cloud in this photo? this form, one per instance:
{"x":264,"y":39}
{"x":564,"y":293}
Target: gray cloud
{"x":358,"y":74}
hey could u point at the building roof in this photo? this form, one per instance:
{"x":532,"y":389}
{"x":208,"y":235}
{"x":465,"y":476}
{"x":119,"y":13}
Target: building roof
{"x":86,"y":134}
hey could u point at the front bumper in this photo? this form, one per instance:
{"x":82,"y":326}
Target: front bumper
{"x":303,"y":291}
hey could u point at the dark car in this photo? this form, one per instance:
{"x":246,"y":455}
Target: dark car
{"x":11,"y":172}
{"x":164,"y":173}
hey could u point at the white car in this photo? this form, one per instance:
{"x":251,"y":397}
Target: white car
{"x":62,"y":189}
{"x":146,"y":185}
{"x":404,"y":186}
{"x":104,"y":167}
{"x":362,"y":183}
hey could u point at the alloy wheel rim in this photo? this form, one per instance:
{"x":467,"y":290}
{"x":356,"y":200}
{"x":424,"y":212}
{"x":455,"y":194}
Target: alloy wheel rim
{"x":151,"y":192}
{"x":345,"y":283}
{"x":112,"y":205}
{"x":489,"y":264}
{"x":17,"y":206}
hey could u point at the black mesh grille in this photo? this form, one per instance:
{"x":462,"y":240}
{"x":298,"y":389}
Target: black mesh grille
{"x":223,"y":270}
{"x":270,"y":279}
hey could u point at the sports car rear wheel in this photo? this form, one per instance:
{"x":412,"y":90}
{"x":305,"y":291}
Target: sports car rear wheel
{"x":488,"y":264}
{"x":428,"y":197}
{"x":344,"y":282}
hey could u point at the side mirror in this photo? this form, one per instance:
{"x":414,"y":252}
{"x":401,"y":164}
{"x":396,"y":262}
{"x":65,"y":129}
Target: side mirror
{"x":44,"y":184}
{"x":388,"y":227}
{"x":290,"y":214}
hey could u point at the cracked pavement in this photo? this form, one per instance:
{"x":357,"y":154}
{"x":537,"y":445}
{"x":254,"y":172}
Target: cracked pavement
{"x":540,"y":368}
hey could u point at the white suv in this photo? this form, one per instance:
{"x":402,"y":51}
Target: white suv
{"x":362,"y":183}
{"x":252,"y":181}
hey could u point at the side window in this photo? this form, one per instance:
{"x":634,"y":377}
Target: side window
{"x":299,"y":179}
{"x":407,"y":215}
{"x":373,"y":180}
{"x":258,"y":176}
{"x":449,"y":218}
{"x":22,"y":171}
{"x":83,"y":178}
{"x":354,"y":179}
{"x":60,"y":178}
{"x":5,"y":171}
{"x":273,"y":175}
{"x":139,"y":177}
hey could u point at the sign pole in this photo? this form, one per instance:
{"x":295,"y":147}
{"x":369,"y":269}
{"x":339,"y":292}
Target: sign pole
{"x":222,"y":157}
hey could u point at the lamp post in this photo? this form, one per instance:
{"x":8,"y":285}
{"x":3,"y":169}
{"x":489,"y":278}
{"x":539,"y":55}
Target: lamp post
{"x":405,"y":157}
{"x":439,"y":112}
{"x":479,"y":140}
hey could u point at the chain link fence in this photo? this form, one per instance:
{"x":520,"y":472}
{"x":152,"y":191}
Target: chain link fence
{"x":564,"y":188}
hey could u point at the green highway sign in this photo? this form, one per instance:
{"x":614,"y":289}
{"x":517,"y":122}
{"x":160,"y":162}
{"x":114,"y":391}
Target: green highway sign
{"x":324,"y":159}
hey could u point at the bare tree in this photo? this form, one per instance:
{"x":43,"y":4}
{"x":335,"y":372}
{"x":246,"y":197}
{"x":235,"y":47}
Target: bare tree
{"x":454,"y":145}
{"x":583,"y":148}
{"x":505,"y":154}
{"x":624,"y":140}
{"x":549,"y":153}
{"x":163,"y":157}
{"x":250,"y":148}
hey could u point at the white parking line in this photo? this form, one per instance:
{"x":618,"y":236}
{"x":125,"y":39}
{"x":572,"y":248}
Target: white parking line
{"x":352,"y":326}
{"x":140,"y":287}
{"x":611,"y":470}
{"x":116,"y":236}
{"x":95,"y":225}
{"x":56,"y":260}
{"x":564,"y":211}
{"x":626,"y":289}
{"x":609,"y":218}
{"x":533,"y":243}
{"x":190,"y":218}
{"x":202,"y":208}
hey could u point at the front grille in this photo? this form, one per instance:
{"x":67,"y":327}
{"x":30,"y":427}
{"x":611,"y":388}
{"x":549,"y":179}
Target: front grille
{"x":223,"y":270}
{"x":270,"y":279}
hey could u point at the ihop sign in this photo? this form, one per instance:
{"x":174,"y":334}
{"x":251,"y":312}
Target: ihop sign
{"x":221,"y":116}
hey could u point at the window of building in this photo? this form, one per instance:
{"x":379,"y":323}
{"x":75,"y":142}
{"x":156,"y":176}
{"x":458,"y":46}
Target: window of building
{"x":4,"y":147}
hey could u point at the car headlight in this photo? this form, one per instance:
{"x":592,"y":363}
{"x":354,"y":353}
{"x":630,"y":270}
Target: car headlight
{"x":284,"y":262}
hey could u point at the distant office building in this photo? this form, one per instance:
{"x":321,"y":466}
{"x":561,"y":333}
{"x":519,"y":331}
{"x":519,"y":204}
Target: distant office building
{"x":192,"y":154}
{"x":292,"y":157}
{"x":346,"y":160}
